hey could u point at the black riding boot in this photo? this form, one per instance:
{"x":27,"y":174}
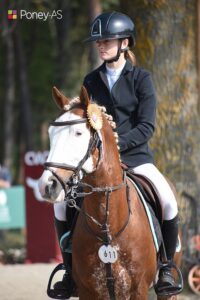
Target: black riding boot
{"x":63,"y":289}
{"x":166,"y":282}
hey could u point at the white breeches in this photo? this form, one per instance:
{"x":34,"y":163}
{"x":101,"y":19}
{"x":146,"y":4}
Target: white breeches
{"x":167,"y":197}
{"x":60,"y":211}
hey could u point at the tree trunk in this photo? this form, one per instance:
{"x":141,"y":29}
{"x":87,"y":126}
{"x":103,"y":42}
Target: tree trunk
{"x":25,"y":97}
{"x":198,"y":49}
{"x":9,"y":96}
{"x":166,"y":45}
{"x":64,"y":48}
{"x":95,"y":9}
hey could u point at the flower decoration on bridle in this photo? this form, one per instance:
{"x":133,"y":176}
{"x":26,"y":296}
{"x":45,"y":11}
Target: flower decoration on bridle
{"x":94,"y":116}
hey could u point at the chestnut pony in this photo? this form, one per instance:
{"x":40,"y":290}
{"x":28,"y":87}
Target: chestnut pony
{"x":114,"y":256}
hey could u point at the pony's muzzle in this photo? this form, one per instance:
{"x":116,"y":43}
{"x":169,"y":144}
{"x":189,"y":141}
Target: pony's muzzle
{"x":53,"y":189}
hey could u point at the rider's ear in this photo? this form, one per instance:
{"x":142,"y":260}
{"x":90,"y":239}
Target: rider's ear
{"x":59,"y":98}
{"x":84,"y":97}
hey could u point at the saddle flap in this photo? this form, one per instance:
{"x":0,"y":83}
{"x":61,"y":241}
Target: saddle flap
{"x":149,"y":192}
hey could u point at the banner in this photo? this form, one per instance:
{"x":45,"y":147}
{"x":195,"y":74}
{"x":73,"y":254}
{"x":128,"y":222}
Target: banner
{"x":42,"y":245}
{"x":12,"y":208}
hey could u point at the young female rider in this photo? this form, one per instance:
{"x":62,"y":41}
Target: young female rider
{"x":128,"y":94}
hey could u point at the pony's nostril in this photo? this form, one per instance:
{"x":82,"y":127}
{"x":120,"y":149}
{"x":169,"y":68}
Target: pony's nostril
{"x":47,"y":190}
{"x":54,"y":184}
{"x":51,"y":187}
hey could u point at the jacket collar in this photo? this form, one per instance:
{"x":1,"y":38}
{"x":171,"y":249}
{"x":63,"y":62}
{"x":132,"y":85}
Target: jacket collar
{"x":127,"y":68}
{"x":102,"y":71}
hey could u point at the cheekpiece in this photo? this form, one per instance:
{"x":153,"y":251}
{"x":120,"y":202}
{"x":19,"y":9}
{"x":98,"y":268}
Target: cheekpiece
{"x":94,"y":116}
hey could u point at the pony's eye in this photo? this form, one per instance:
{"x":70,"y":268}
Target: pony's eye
{"x":78,"y":133}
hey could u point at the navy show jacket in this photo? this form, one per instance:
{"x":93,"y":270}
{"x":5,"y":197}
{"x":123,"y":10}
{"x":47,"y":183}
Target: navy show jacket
{"x":132,"y":103}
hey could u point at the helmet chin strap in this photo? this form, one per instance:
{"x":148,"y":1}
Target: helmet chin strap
{"x":119,"y":51}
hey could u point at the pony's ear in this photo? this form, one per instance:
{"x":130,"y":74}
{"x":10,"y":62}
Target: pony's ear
{"x":84,"y":97}
{"x":59,"y":98}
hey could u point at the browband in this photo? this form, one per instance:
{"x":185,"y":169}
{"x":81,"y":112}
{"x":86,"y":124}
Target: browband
{"x":72,"y":122}
{"x":60,"y":166}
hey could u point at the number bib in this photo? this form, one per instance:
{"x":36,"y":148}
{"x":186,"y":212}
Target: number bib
{"x":108,"y":254}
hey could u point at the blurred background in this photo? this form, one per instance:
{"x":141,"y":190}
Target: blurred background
{"x":37,"y":54}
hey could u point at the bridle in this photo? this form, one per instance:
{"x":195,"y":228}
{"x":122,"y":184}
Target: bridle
{"x":74,"y":184}
{"x":94,"y":142}
{"x":91,"y":145}
{"x":74,"y":181}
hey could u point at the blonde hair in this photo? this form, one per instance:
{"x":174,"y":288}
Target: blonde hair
{"x":131,"y":56}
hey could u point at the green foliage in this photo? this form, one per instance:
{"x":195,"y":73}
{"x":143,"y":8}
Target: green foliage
{"x":110,"y":5}
{"x":12,"y":246}
{"x":14,"y":238}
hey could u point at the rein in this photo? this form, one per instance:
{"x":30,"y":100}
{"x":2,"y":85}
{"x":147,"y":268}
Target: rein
{"x":72,"y":193}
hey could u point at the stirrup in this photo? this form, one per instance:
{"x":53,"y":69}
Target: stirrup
{"x":174,"y":288}
{"x":54,"y":293}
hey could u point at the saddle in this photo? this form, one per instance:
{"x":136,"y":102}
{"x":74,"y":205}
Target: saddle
{"x":149,"y":192}
{"x":152,"y":198}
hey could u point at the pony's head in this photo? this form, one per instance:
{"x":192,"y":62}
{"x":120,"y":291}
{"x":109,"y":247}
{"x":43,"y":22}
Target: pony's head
{"x":76,"y":144}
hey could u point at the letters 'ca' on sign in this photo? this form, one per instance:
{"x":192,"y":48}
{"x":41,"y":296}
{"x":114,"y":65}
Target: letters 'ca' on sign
{"x":33,"y":158}
{"x":108,"y":254}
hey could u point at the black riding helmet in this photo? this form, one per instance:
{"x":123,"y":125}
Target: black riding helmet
{"x":112,"y":25}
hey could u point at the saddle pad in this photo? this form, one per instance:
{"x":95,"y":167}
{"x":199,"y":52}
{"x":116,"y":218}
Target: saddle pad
{"x":153,"y":222}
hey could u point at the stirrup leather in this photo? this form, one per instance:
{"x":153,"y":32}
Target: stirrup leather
{"x":169,"y":287}
{"x":57,"y":293}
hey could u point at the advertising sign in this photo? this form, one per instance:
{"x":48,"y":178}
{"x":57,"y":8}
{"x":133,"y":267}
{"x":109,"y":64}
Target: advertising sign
{"x":12,"y":208}
{"x":42,"y":243}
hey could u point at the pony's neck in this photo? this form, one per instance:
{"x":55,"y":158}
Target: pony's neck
{"x":109,"y":171}
{"x":108,"y":174}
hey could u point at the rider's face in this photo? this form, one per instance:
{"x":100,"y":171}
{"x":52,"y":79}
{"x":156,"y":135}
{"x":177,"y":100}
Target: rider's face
{"x":107,"y":48}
